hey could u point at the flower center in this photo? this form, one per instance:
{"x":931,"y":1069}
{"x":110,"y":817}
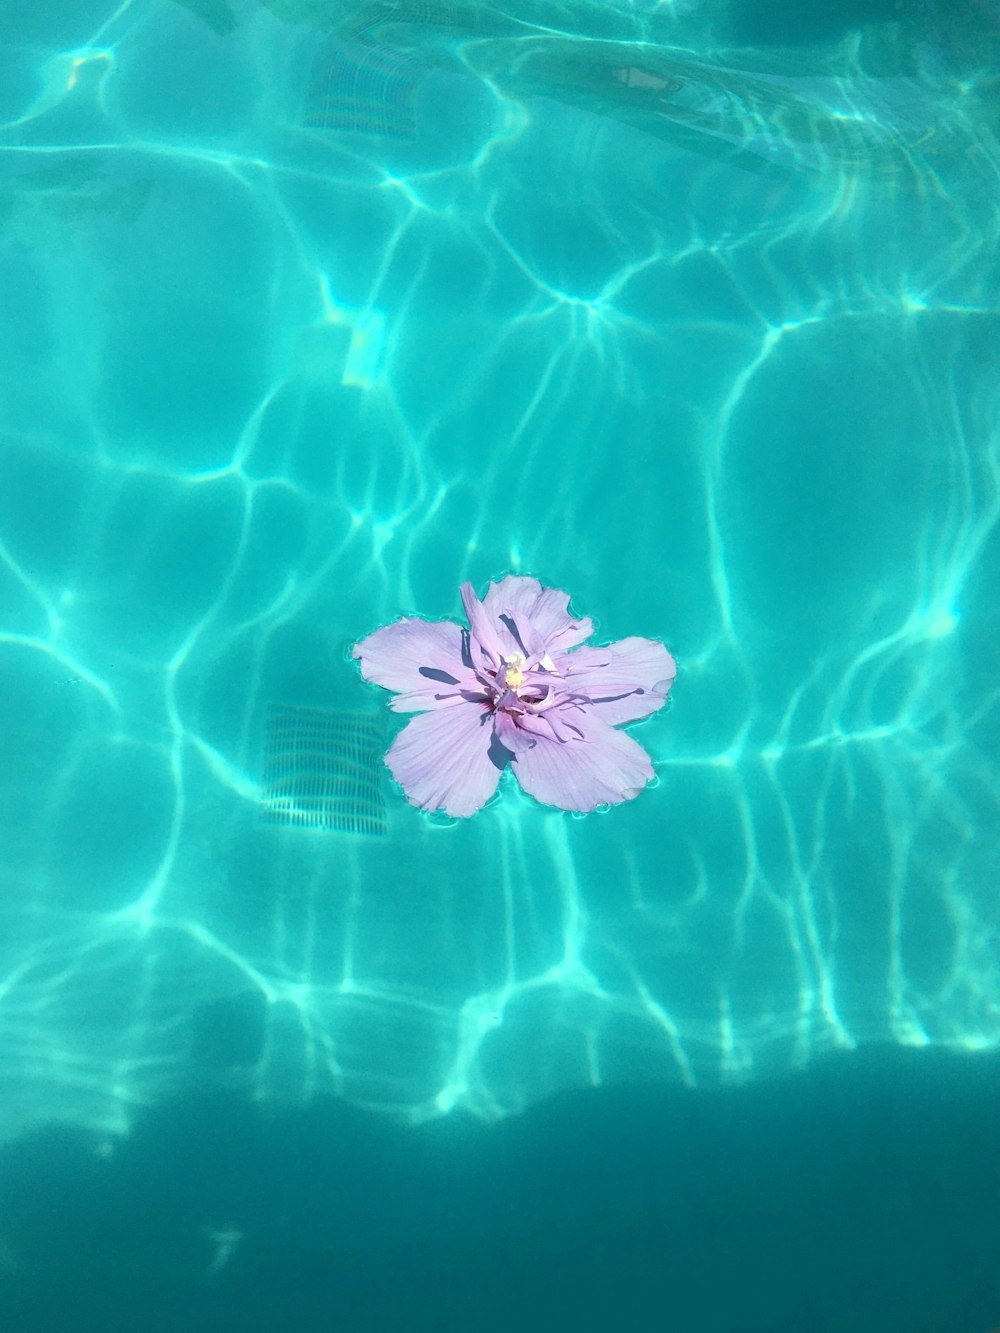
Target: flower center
{"x":515,"y":676}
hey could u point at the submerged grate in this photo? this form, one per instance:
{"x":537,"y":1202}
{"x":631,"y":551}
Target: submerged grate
{"x":322,"y":770}
{"x":364,"y":90}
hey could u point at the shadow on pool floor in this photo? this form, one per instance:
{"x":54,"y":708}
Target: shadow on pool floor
{"x":861,"y":1196}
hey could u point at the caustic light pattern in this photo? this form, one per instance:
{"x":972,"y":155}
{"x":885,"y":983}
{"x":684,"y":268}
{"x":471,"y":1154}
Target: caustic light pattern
{"x":379,"y":298}
{"x":516,"y":689}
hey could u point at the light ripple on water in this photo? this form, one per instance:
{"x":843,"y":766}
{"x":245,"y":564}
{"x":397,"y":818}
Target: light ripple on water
{"x":703,"y":332}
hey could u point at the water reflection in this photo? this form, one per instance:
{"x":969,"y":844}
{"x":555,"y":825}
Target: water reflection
{"x":393,"y":298}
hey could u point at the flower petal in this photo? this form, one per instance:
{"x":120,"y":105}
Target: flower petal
{"x":625,"y":681}
{"x":605,"y":767}
{"x":482,"y":625}
{"x":420,"y":660}
{"x":513,"y":737}
{"x":545,"y":608}
{"x":448,"y":760}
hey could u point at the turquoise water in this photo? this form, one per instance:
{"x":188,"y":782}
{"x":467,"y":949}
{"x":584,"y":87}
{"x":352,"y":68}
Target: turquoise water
{"x":312,"y":312}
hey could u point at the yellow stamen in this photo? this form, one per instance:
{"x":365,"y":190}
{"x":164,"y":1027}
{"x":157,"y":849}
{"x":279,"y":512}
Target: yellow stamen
{"x":515,"y":676}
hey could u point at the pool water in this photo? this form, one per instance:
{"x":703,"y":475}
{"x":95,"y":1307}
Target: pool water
{"x":313,"y":311}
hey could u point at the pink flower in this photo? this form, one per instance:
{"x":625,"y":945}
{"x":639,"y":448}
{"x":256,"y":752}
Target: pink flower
{"x":515,"y":689}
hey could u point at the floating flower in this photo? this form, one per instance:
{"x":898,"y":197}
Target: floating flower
{"x":514,"y":688}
